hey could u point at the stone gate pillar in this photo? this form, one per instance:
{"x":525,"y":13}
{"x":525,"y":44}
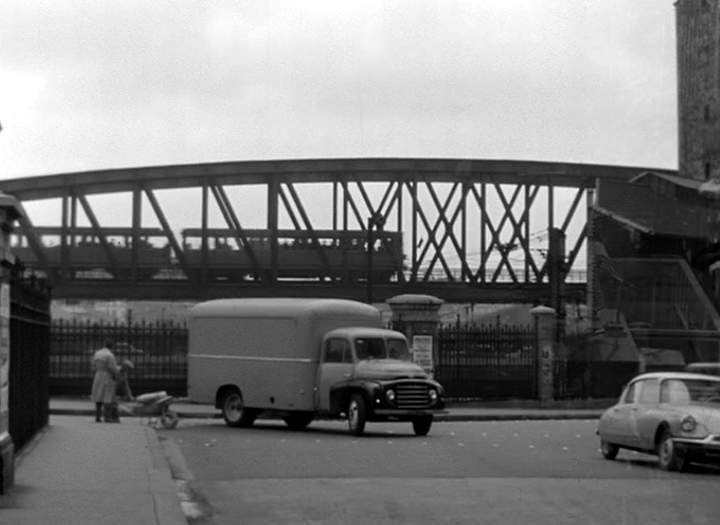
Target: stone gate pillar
{"x":417,"y":316}
{"x":545,"y":325}
{"x":9,"y":213}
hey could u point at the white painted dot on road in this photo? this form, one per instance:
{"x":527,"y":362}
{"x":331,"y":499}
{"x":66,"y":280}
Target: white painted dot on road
{"x":495,"y":445}
{"x":578,"y":436}
{"x":452,"y":433}
{"x":424,"y":442}
{"x":565,"y":448}
{"x":461,"y":444}
{"x":547,"y":435}
{"x":484,"y":434}
{"x":354,"y":441}
{"x":389,"y":442}
{"x":317,"y":441}
{"x":531,"y":446}
{"x":516,"y":434}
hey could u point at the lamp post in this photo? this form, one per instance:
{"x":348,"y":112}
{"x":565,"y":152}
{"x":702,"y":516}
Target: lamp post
{"x":375,"y":220}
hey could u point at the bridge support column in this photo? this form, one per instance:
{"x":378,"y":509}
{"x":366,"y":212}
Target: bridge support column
{"x":9,"y":212}
{"x":417,"y":316}
{"x":545,"y":326}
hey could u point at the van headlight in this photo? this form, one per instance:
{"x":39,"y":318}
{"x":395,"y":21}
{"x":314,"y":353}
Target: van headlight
{"x":390,"y":395}
{"x":433,"y":395}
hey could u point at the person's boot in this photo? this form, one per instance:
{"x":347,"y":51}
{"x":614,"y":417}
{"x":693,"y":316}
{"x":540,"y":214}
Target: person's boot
{"x":98,"y":412}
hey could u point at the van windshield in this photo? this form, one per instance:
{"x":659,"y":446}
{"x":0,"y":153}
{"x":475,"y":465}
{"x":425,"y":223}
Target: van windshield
{"x":379,"y":348}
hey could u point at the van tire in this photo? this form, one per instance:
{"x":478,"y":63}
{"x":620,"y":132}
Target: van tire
{"x":298,"y":420}
{"x":234,"y":411}
{"x":421,"y":425}
{"x":357,"y":414}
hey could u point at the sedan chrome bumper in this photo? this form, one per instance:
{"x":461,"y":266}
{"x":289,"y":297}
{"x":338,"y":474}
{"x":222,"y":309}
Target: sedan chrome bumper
{"x":709,"y":445}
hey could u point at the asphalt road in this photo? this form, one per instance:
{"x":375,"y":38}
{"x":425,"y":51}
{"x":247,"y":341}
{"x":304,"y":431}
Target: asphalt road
{"x":475,"y":472}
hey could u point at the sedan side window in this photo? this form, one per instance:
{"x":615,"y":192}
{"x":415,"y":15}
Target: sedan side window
{"x":630,"y":394}
{"x":649,"y":393}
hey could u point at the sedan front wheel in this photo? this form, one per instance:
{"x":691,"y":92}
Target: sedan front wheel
{"x":669,"y":457}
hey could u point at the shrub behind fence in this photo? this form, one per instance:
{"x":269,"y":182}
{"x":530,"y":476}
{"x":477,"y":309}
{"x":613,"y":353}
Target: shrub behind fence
{"x":158,"y":352}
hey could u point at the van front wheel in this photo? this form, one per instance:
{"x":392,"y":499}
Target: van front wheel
{"x":357,"y":414}
{"x":234,"y":411}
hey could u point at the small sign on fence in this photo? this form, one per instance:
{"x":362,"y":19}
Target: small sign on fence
{"x":422,"y":346}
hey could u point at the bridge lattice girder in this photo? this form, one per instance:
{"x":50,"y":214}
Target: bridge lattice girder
{"x":464,"y":230}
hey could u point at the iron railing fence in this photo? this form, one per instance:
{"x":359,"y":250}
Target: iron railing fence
{"x":28,"y":399}
{"x":487,"y":362}
{"x":158,"y":352}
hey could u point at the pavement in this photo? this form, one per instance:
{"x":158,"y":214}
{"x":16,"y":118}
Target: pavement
{"x":76,"y":471}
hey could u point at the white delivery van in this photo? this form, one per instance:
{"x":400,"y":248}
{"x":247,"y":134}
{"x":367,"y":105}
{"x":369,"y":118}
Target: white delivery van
{"x":303,"y":358}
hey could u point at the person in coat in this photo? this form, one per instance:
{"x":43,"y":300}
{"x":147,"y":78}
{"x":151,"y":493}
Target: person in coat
{"x":103,"y":387}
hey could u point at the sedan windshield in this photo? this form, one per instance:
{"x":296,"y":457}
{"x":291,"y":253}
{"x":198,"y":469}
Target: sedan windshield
{"x":680,"y":391}
{"x":379,"y":348}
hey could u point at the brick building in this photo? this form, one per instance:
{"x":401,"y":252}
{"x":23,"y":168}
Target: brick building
{"x":698,"y":63}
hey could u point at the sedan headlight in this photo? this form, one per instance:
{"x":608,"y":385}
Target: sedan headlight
{"x":688,"y":423}
{"x":390,"y":396}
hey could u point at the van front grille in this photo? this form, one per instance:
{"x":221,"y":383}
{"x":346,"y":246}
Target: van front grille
{"x":412,"y":395}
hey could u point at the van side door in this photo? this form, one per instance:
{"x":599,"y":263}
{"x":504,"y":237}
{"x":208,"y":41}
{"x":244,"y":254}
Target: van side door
{"x":336,"y":366}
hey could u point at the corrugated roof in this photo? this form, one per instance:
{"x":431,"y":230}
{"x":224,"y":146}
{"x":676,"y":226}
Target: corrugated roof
{"x":640,"y":207}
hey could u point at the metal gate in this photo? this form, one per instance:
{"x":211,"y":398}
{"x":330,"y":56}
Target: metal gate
{"x":487,"y":362}
{"x":29,"y":347}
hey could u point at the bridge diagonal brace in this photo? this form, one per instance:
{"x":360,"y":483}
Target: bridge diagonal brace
{"x":573,"y":208}
{"x":517,"y":224}
{"x":371,"y":209}
{"x":234,"y":224}
{"x":431,"y":236}
{"x":288,"y":208}
{"x":309,"y":228}
{"x":107,"y":248}
{"x":449,"y":233}
{"x":572,"y":256}
{"x":494,"y":233}
{"x":504,"y":248}
{"x":179,"y":253}
{"x":566,"y":222}
{"x":349,"y":200}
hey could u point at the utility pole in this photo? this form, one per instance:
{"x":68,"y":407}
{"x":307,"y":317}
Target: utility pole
{"x":376,"y":220}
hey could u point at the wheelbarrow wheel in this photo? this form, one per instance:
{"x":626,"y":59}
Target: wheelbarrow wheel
{"x":169,"y":419}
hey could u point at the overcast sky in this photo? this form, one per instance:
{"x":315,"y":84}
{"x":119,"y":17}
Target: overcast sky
{"x":105,"y":84}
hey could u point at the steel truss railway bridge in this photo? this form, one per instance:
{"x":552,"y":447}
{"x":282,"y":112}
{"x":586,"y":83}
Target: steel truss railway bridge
{"x":465,"y":230}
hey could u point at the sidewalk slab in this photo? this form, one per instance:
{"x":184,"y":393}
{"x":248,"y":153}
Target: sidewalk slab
{"x":80,"y":472}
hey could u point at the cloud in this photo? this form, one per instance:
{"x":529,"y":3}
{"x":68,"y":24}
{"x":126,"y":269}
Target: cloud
{"x":136,"y":82}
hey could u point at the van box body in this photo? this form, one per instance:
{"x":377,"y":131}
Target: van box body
{"x":270,"y":347}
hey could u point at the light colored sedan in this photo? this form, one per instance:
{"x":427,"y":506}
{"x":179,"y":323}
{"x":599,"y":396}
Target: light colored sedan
{"x":675,"y":415}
